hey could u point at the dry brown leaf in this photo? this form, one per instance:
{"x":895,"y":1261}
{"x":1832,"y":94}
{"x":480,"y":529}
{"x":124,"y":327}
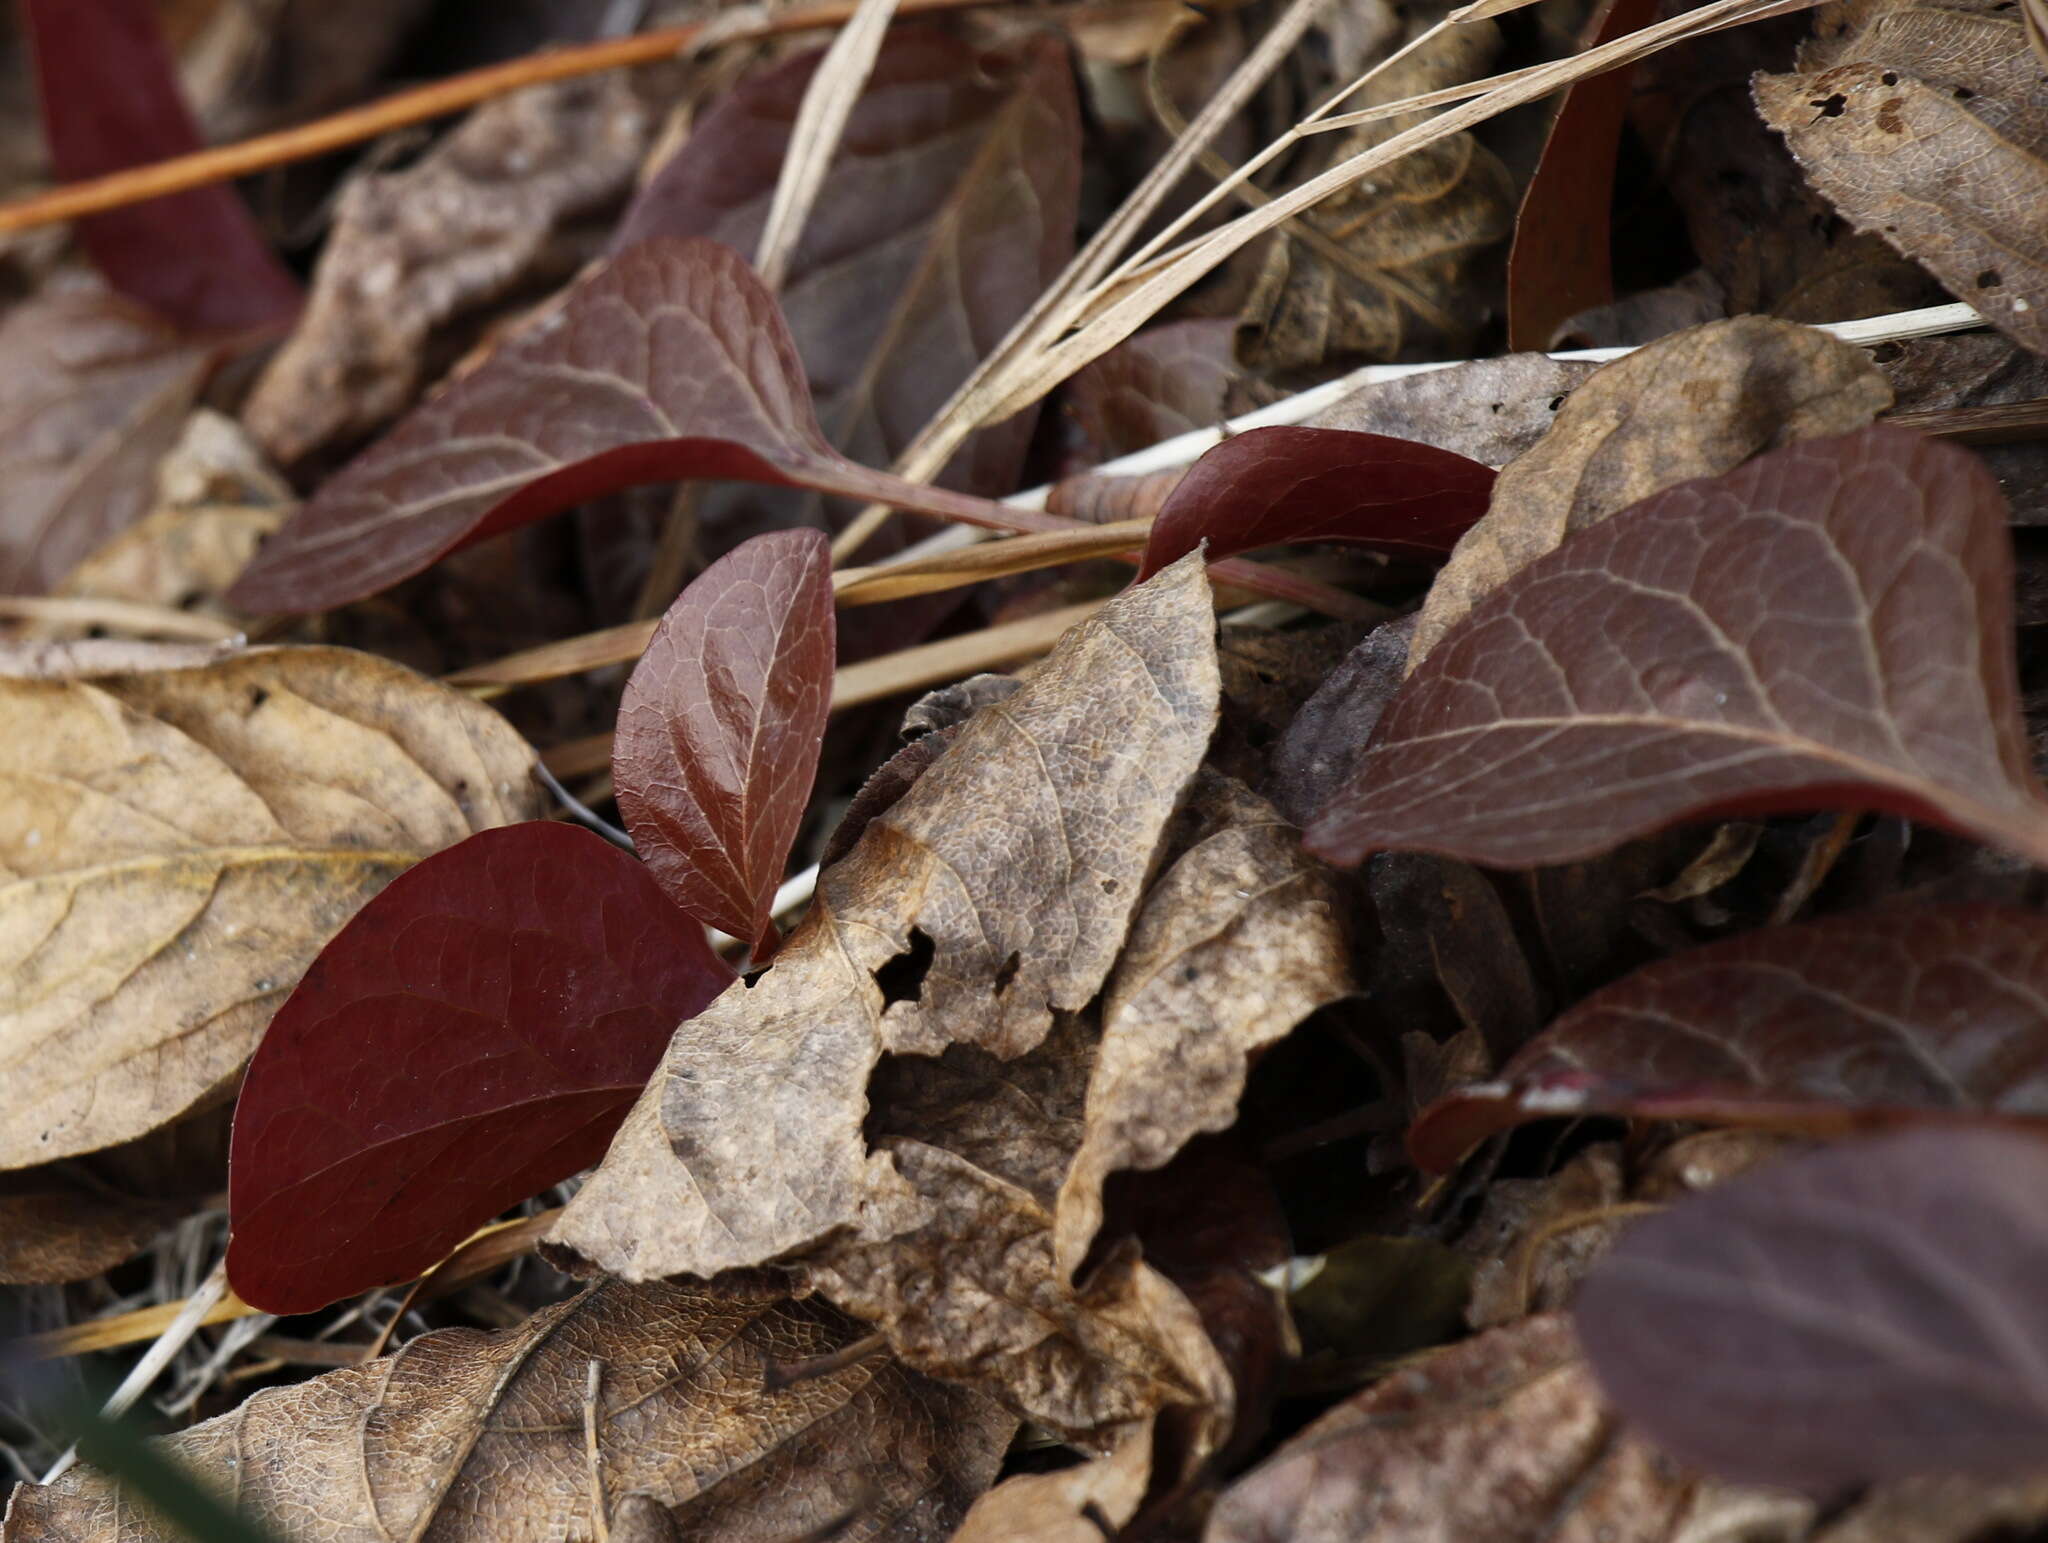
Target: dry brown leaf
{"x":182,"y":841}
{"x":479,"y":1438}
{"x":1695,"y":404}
{"x":1977,"y":369}
{"x":1410,"y":232}
{"x":1502,"y":1439}
{"x":1488,"y":409}
{"x":1927,"y":124}
{"x":413,"y":249}
{"x":1237,"y":943}
{"x":94,"y":394}
{"x":56,"y":1228}
{"x":996,"y":891}
{"x":1073,"y":1505}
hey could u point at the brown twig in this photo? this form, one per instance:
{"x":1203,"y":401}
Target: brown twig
{"x":335,"y":132}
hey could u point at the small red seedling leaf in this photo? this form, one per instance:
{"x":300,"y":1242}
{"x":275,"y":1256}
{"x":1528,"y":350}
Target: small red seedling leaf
{"x":110,"y":100}
{"x":473,"y":1035}
{"x":669,"y":363}
{"x":1827,"y":626}
{"x":719,"y":730}
{"x":1865,"y":1313}
{"x":1267,"y":486}
{"x":1878,"y":1017}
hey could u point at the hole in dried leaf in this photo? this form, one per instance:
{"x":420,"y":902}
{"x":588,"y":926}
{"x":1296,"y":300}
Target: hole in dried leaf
{"x":257,"y":697}
{"x":1109,"y":886}
{"x":1963,"y":93}
{"x":902,"y":978}
{"x":1008,"y":972}
{"x":1889,"y":77}
{"x":1831,"y":107}
{"x":1989,"y":279}
{"x":1887,"y":353}
{"x":1558,"y":401}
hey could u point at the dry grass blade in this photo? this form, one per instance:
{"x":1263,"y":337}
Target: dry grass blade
{"x":989,"y":560}
{"x":814,"y":139}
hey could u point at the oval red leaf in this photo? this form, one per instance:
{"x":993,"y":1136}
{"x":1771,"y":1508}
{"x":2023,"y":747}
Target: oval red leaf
{"x":1827,"y":626}
{"x":1864,"y":1313}
{"x":1869,"y":1018}
{"x":1266,"y":486}
{"x":719,"y":729}
{"x":473,"y":1035}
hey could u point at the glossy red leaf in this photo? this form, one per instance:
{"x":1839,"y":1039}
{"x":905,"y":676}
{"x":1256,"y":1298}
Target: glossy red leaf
{"x":719,"y":729}
{"x":1267,"y":486}
{"x":1827,"y":626}
{"x":473,"y":1035}
{"x":1864,"y":1313}
{"x":671,"y":362}
{"x":1560,"y":263}
{"x":110,"y":100}
{"x":1874,"y":1017}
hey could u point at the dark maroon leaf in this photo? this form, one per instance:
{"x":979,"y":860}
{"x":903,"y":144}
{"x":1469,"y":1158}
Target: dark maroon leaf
{"x":1827,"y":626}
{"x":1864,"y":1313}
{"x":672,"y":362}
{"x":1162,"y":382}
{"x":1560,"y":264}
{"x":1866,"y":1018}
{"x":110,"y":100}
{"x":473,"y":1035}
{"x":719,"y":729}
{"x":1267,"y":486}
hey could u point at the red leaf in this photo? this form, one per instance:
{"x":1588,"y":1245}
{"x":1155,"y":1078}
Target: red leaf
{"x":1290,"y":484}
{"x":1165,"y":381}
{"x":1863,"y":1019}
{"x":1560,"y":263}
{"x":473,"y":1035}
{"x":672,"y":362}
{"x":1864,"y":1313}
{"x":719,"y":730}
{"x":110,"y":100}
{"x":1827,"y":626}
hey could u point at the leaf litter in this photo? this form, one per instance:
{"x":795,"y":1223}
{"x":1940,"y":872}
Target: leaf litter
{"x":1294,"y":1079}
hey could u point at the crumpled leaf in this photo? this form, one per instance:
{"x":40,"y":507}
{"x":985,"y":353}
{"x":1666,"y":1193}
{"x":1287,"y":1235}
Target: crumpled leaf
{"x":1070,"y":1505}
{"x":1924,"y":123}
{"x":94,"y":394}
{"x":413,"y":249}
{"x":1695,"y":404}
{"x":670,"y":362}
{"x":720,"y":726}
{"x":473,"y":1035}
{"x":182,"y":841}
{"x":108,"y":88}
{"x":1409,"y":235}
{"x":477,"y":1438}
{"x":1866,"y":1017}
{"x":1826,"y":626}
{"x":1867,"y":1312}
{"x":1504,"y":1438}
{"x":993,"y":894}
{"x":1237,"y":942}
{"x":1273,"y":485}
{"x":1487,"y":410}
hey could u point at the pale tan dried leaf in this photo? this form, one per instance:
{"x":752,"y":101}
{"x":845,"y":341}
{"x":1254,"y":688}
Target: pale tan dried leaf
{"x":1237,"y":943}
{"x":1072,"y":1505}
{"x":479,"y":1438}
{"x":180,"y":842}
{"x":1695,"y":404}
{"x":413,"y":249}
{"x":1927,"y":124}
{"x":55,"y":1227}
{"x":94,"y":393}
{"x":1001,"y":886}
{"x":1491,"y":410}
{"x":1502,"y":1439}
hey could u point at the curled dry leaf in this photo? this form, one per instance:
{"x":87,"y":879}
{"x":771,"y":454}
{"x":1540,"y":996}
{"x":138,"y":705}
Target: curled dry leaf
{"x":473,"y":1035}
{"x":94,"y":395}
{"x":182,"y":841}
{"x":1502,"y":1439}
{"x":108,"y":88}
{"x":1068,"y":1506}
{"x":994,"y":893}
{"x":478,"y":1438}
{"x":719,"y":729}
{"x":413,"y":249}
{"x":1864,"y":1313}
{"x":1236,"y":943}
{"x":1828,"y":626}
{"x":670,"y":362}
{"x":1487,"y":410}
{"x":1925,"y":124}
{"x":1696,"y":404}
{"x":1868,"y":1017}
{"x":1273,"y":485}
